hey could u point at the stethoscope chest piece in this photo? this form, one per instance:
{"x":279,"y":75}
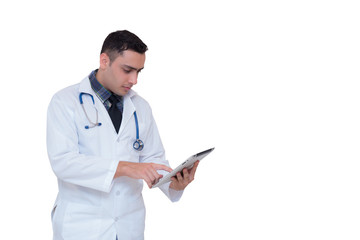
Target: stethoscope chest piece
{"x":138,"y":145}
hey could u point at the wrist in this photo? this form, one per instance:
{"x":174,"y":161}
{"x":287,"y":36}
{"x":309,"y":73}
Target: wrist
{"x":121,"y":169}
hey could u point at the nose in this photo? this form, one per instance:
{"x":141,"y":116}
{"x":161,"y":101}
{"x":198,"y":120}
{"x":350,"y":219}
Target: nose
{"x":133,"y":78}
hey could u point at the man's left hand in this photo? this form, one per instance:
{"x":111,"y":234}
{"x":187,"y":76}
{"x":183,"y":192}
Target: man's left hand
{"x":181,"y":181}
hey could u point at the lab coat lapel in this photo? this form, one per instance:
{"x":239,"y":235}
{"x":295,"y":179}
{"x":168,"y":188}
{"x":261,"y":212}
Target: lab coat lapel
{"x":128,"y":112}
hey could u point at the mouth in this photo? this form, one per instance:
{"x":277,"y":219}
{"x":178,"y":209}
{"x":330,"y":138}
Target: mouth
{"x":127,"y":88}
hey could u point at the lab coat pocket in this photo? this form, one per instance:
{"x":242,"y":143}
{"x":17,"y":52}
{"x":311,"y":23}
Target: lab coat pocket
{"x":81,"y":222}
{"x":88,"y":132}
{"x":57,"y":217}
{"x":138,"y":212}
{"x":132,"y":219}
{"x":89,"y":139}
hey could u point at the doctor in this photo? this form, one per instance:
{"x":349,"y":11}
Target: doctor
{"x":103,"y":143}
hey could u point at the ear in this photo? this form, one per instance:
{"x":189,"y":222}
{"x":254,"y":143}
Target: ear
{"x":104,"y":61}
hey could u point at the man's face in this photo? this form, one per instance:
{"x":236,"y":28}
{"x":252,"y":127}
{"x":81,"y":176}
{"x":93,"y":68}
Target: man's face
{"x":122,"y":73}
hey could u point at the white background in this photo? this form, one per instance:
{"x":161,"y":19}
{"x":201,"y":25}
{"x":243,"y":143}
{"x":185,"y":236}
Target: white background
{"x":273,"y":85}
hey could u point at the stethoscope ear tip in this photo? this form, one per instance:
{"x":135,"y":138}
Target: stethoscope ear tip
{"x":88,"y":127}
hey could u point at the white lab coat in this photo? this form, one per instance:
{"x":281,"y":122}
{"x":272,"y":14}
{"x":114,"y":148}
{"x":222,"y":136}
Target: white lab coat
{"x":91,"y":205}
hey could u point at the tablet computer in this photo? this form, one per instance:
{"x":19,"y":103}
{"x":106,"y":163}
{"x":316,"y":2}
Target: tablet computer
{"x":187,"y":164}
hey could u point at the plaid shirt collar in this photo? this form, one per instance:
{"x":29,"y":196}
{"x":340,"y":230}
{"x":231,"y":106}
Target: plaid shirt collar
{"x":102,"y":93}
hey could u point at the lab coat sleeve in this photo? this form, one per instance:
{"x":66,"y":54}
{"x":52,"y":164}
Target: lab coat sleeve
{"x":154,"y":152}
{"x":67,"y":163}
{"x":172,"y":194}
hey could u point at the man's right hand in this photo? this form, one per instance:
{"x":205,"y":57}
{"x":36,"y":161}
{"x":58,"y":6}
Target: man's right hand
{"x":146,"y":171}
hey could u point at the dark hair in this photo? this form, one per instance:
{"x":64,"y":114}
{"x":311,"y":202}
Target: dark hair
{"x":119,"y":41}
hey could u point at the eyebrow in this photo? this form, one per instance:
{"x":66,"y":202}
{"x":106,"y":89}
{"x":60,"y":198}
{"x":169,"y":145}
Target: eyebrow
{"x":137,"y":69}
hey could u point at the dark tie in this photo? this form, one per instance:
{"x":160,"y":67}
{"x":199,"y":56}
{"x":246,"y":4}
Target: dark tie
{"x":115,"y":113}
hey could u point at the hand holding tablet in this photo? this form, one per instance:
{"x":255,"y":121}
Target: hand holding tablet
{"x":188,"y":164}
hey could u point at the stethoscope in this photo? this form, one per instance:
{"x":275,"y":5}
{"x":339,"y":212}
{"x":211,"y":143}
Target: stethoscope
{"x":137,"y":145}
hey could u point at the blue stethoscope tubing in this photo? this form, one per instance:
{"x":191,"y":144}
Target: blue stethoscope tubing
{"x":92,"y":124}
{"x":137,"y":145}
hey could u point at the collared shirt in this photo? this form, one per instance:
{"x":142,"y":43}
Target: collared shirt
{"x":104,"y":94}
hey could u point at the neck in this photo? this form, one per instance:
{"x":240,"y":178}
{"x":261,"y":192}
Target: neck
{"x":101,"y":78}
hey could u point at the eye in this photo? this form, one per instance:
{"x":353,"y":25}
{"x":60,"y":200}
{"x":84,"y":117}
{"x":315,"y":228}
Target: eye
{"x":126,"y":70}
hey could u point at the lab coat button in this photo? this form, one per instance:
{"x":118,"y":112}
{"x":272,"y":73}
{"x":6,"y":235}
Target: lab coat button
{"x":117,"y":193}
{"x":116,"y":219}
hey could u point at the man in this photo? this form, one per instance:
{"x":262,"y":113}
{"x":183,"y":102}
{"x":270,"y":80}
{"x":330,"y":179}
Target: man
{"x":102,"y":144}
